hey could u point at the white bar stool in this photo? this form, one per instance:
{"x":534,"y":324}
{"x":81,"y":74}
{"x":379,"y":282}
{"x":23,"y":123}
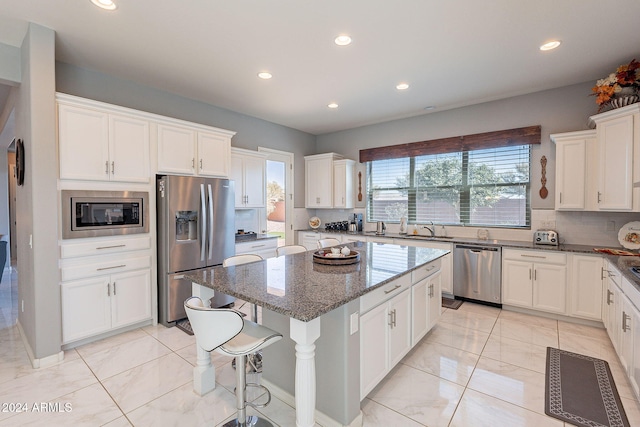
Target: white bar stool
{"x":329,"y":241}
{"x":290,"y":249}
{"x":225,"y":331}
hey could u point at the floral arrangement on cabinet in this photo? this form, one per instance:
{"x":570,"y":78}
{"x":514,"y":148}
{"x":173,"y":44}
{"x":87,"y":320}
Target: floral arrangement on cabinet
{"x":619,"y":88}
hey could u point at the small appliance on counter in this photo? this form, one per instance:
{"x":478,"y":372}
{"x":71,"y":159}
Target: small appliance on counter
{"x":403,"y":225}
{"x":546,"y":237}
{"x":243,"y":236}
{"x":380,"y":228}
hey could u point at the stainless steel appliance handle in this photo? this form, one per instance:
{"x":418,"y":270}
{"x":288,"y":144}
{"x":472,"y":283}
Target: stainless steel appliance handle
{"x":210,"y":203}
{"x":203,"y":223}
{"x":478,"y":248}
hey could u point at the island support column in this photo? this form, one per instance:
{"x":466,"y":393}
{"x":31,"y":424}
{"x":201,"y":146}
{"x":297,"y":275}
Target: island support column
{"x":305,"y":335}
{"x":204,"y":373}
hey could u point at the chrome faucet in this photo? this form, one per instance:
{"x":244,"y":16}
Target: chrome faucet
{"x":431,"y":229}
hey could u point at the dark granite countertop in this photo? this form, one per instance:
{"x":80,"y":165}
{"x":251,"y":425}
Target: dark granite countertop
{"x":295,"y":286}
{"x":516,"y":244}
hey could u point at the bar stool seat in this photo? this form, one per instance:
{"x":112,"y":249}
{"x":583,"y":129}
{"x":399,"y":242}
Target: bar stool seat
{"x":290,"y":249}
{"x":329,"y":241}
{"x":227,"y":332}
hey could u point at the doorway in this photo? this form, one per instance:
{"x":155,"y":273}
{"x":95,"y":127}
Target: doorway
{"x":279,"y":182}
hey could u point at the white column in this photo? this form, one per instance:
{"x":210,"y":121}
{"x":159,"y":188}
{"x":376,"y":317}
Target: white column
{"x":204,"y":373}
{"x":305,"y":335}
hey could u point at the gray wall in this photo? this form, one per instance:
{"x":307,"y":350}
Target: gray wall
{"x":37,"y":199}
{"x":251,"y":132}
{"x":559,"y":110}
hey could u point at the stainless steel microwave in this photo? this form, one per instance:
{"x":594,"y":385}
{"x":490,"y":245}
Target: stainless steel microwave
{"x":104,"y":213}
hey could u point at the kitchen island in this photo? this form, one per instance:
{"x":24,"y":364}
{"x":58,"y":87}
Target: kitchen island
{"x":309,"y":295}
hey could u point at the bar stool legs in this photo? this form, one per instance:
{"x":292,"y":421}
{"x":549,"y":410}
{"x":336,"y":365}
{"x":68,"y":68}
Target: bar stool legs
{"x":241,"y":400}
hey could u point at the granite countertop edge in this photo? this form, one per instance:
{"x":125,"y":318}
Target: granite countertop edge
{"x":306,"y":317}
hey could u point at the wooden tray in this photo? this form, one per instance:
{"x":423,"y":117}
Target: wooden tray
{"x":321,"y":258}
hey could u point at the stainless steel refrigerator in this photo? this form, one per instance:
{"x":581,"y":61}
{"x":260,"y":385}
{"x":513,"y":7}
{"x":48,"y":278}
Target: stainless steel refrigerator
{"x":196,"y":229}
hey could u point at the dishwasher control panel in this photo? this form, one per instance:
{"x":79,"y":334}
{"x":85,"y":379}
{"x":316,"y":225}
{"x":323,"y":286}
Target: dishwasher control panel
{"x":546,"y":237}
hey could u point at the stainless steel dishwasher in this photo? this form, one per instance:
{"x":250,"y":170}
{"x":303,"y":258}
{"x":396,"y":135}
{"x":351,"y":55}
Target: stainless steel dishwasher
{"x":477,"y":273}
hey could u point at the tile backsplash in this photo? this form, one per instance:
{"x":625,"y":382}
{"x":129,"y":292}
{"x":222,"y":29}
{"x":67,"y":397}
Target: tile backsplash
{"x":580,"y":228}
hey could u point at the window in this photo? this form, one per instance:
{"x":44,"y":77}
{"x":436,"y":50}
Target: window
{"x":486,"y":187}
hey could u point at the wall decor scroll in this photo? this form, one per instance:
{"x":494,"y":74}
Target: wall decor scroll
{"x":20,"y":162}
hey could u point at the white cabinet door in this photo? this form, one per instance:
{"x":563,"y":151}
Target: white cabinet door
{"x":83,"y":143}
{"x":400,"y":328}
{"x":214,"y":154}
{"x":343,"y":194}
{"x":625,"y":351}
{"x":131,"y":297}
{"x":585,"y":287}
{"x":266,"y":248}
{"x":86,"y":308}
{"x":570,"y":174}
{"x":435,"y":298}
{"x":176,"y":149}
{"x":634,"y":364}
{"x":615,"y":140}
{"x":517,"y":284}
{"x":236,"y":173}
{"x":308,"y":239}
{"x":420,"y":310}
{"x":254,"y":182}
{"x":550,"y":287}
{"x":129,"y":149}
{"x":374,"y":336}
{"x":319,"y":182}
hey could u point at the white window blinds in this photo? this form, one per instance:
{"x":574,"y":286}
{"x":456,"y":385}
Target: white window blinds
{"x":486,"y":187}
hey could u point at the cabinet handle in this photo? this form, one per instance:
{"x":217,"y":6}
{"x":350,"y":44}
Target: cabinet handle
{"x":609,"y":295}
{"x":390,"y":319}
{"x":108,"y":289}
{"x":530,"y":274}
{"x":394,"y":318}
{"x":560,"y":197}
{"x":114,"y":288}
{"x":535,"y":274}
{"x":200,"y":164}
{"x":599,"y":193}
{"x":430,"y":268}
{"x":110,"y":247}
{"x":431,"y":290}
{"x":258,"y":246}
{"x":318,"y":200}
{"x":106,"y":167}
{"x":625,"y":317}
{"x":109,"y":268}
{"x":533,"y":256}
{"x":193,"y":163}
{"x":393,"y":289}
{"x":113,"y":168}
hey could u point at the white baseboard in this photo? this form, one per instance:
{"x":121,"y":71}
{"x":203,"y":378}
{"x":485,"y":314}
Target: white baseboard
{"x":39,"y":363}
{"x":321,"y":418}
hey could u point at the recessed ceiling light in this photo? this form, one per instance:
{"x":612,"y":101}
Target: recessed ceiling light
{"x":265,"y":75}
{"x":104,"y":4}
{"x":333,"y":105}
{"x":402,"y":86}
{"x":550,"y":45}
{"x":342,"y":40}
{"x":430,"y":107}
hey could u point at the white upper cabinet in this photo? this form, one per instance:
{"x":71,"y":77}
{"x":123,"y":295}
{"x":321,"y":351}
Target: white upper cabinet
{"x":618,"y":134}
{"x":329,"y":181}
{"x":343,"y":196}
{"x":176,"y":149}
{"x":99,"y":144}
{"x":572,"y":184}
{"x":248,"y":172}
{"x":187,"y":149}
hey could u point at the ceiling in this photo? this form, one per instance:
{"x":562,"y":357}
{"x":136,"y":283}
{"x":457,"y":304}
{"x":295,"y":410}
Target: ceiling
{"x":451,"y":53}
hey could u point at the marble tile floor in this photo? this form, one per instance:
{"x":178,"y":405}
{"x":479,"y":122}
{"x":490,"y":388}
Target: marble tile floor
{"x":480,"y":366}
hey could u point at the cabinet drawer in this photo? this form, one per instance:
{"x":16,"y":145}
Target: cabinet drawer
{"x":102,"y":247}
{"x":384,"y":293}
{"x":256,"y":246}
{"x":535,"y":256}
{"x":105,"y":265}
{"x":425,"y":271}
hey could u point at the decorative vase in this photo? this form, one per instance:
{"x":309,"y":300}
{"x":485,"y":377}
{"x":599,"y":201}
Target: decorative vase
{"x":628,"y":95}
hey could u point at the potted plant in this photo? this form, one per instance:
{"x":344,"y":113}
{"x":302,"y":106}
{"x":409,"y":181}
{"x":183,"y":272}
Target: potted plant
{"x":619,"y":88}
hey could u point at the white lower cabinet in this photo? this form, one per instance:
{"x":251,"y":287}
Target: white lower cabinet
{"x":534,"y":279}
{"x":385,"y":338}
{"x":98,"y":304}
{"x":266,"y":248}
{"x":309,"y":239}
{"x":621,"y":318}
{"x":393,"y":319}
{"x":106,"y":285}
{"x":585,"y":286}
